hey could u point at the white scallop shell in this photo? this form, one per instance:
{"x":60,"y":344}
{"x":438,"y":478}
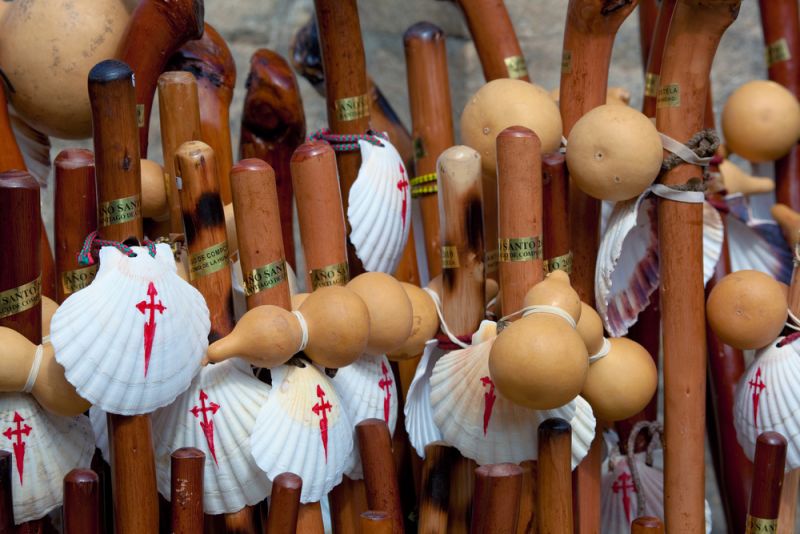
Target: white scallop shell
{"x":303,"y":429}
{"x":379,"y":207}
{"x":45,"y":447}
{"x":100,"y":333}
{"x":420,"y":426}
{"x":713,"y":238}
{"x":766,"y":399}
{"x":99,"y":421}
{"x":216,"y":415}
{"x":237,"y":283}
{"x":368,"y":390}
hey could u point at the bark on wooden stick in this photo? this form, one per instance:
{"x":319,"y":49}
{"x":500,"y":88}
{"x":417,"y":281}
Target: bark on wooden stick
{"x":495,"y":507}
{"x":186,"y":490}
{"x":285,"y":504}
{"x":554,"y":501}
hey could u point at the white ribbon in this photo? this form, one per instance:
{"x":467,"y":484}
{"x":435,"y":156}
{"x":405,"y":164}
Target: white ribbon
{"x":541,"y":308}
{"x":303,"y":330}
{"x":683,"y":151}
{"x":602,"y":353}
{"x":445,"y":330}
{"x":678,"y":195}
{"x":33,"y":374}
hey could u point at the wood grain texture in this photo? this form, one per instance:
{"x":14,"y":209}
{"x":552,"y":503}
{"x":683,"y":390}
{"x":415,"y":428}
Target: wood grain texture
{"x":309,"y":519}
{"x":186,"y":490}
{"x":285,"y":504}
{"x":273,"y":126}
{"x":648,"y":14}
{"x":555,"y":196}
{"x":769,"y":461}
{"x":156,"y":29}
{"x":495,"y":507}
{"x":374,"y":522}
{"x":380,"y":475}
{"x":526,"y":524}
{"x":694,"y":35}
{"x":647,"y":525}
{"x":654,"y":59}
{"x":554,"y":501}
{"x":81,"y":513}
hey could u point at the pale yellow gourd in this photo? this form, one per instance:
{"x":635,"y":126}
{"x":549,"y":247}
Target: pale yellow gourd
{"x":338,"y":326}
{"x":390,"y":312}
{"x":425,"y":323}
{"x":738,"y":181}
{"x":555,"y":290}
{"x":590,"y":328}
{"x":155,"y":204}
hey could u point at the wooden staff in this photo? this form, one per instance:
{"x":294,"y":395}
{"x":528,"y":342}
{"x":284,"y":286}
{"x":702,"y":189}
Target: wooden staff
{"x":647,"y":525}
{"x":186,"y":490}
{"x":75,"y":217}
{"x":6,"y":500}
{"x":495,"y":39}
{"x":156,"y":29}
{"x":210,"y":60}
{"x":765,"y":497}
{"x":435,"y":488}
{"x":431,"y":121}
{"x":116,"y":145}
{"x":380,"y":477}
{"x":654,"y":59}
{"x":273,"y":126}
{"x":779,"y":19}
{"x":648,"y":14}
{"x":81,"y":502}
{"x":555,"y":196}
{"x":284,"y":504}
{"x":693,"y":38}
{"x":554,"y":502}
{"x":497,"y":497}
{"x":179,"y":112}
{"x":309,"y":519}
{"x":373,"y":522}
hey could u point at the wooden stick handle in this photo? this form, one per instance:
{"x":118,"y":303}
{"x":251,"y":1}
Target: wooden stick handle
{"x":320,"y":215}
{"x":495,"y":506}
{"x":555,"y":197}
{"x":81,"y":502}
{"x":180,"y":122}
{"x":155,"y":30}
{"x":75,"y":217}
{"x":519,"y":180}
{"x":380,"y":477}
{"x":258,"y":227}
{"x":373,"y":522}
{"x":653,"y":69}
{"x":554,"y":500}
{"x":186,"y":490}
{"x":309,"y":519}
{"x":435,"y":488}
{"x":6,"y":500}
{"x":647,"y":525}
{"x":284,"y":504}
{"x":765,"y":497}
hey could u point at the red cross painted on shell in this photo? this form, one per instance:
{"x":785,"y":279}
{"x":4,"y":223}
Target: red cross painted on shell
{"x":207,"y":423}
{"x":15,"y":435}
{"x":758,"y":386}
{"x":488,"y":402}
{"x":321,"y":410}
{"x":402,"y":185}
{"x":624,"y":483}
{"x":150,"y":325}
{"x":385,"y":384}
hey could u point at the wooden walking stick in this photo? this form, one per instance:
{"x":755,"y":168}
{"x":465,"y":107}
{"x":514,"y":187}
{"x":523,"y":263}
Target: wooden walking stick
{"x":373,"y":522}
{"x":210,"y":61}
{"x":179,"y":113}
{"x":186,"y":490}
{"x":555,"y":224}
{"x":497,"y":498}
{"x":647,"y":525}
{"x":285,"y":504}
{"x":116,"y":145}
{"x":654,"y":59}
{"x":694,"y":35}
{"x":75,"y":217}
{"x":273,"y":126}
{"x":648,"y":14}
{"x":765,"y":497}
{"x":554,"y":500}
{"x":6,"y":503}
{"x":380,"y":477}
{"x":156,"y":29}
{"x":81,"y":502}
{"x":495,"y":39}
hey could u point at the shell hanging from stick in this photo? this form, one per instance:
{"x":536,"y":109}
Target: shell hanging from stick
{"x":420,"y":426}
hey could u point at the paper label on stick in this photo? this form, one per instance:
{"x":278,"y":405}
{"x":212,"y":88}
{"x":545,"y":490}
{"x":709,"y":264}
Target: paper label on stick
{"x":352,"y":108}
{"x":331,"y":275}
{"x":757,"y":525}
{"x":21,"y":298}
{"x":563,"y":263}
{"x":119,"y":211}
{"x":520,"y":248}
{"x":265,"y":277}
{"x":449,"y":257}
{"x":140,"y":115}
{"x":566,"y":62}
{"x":516,"y":67}
{"x":208,"y":260}
{"x":75,"y":280}
{"x":777,"y":52}
{"x":651,"y":84}
{"x":669,"y":96}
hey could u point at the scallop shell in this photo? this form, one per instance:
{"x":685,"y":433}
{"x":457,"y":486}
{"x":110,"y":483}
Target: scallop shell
{"x":379,"y":207}
{"x":99,"y":421}
{"x":766,"y":399}
{"x":45,"y":447}
{"x":237,"y":283}
{"x":713,"y":238}
{"x":756,"y":243}
{"x":303,"y":429}
{"x":368,"y":390}
{"x":216,"y":415}
{"x":420,"y":426}
{"x":133,"y":339}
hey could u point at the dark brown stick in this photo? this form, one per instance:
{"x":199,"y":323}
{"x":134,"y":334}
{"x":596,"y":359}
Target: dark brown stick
{"x":555,"y":195}
{"x":383,"y":491}
{"x":765,"y":497}
{"x":647,"y":525}
{"x":81,"y":502}
{"x":6,"y":501}
{"x":497,"y":498}
{"x":285,"y":504}
{"x":653,"y":69}
{"x":186,"y":490}
{"x":648,"y":13}
{"x":554,"y":500}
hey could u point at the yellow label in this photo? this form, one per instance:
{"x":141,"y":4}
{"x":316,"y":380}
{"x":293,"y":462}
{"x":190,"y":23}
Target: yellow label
{"x":350,"y":109}
{"x":265,"y":277}
{"x":669,"y":96}
{"x":778,"y":51}
{"x":756,"y":525}
{"x":520,"y":248}
{"x":651,"y":84}
{"x":119,"y":211}
{"x":449,"y":257}
{"x":330,"y":275}
{"x":419,"y":149}
{"x":19,"y":299}
{"x":563,"y":263}
{"x":566,"y":62}
{"x":516,"y":67}
{"x":140,"y":115}
{"x":208,"y":261}
{"x":490,"y":261}
{"x":72,"y":281}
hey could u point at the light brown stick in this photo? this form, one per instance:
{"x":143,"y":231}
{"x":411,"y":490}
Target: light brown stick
{"x":186,"y":490}
{"x":647,"y":525}
{"x":373,"y":522}
{"x":495,"y":507}
{"x":554,"y":500}
{"x":284,"y":504}
{"x":380,"y":477}
{"x":765,"y":496}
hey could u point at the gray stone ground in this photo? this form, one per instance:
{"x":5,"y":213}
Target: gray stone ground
{"x":252,"y":24}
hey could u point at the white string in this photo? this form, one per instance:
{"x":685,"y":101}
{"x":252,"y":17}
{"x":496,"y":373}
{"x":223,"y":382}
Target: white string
{"x":541,"y":308}
{"x":303,"y":330}
{"x":678,"y":195}
{"x":602,"y":353}
{"x":795,"y":322}
{"x":33,"y":374}
{"x":563,"y":148}
{"x":683,"y":151}
{"x":46,"y":339}
{"x":445,"y":330}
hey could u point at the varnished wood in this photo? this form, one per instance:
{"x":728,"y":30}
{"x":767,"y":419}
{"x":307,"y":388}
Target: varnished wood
{"x":647,"y":525}
{"x":309,"y":519}
{"x":373,"y":522}
{"x":435,"y":488}
{"x":788,"y":507}
{"x":211,"y":62}
{"x":156,"y":29}
{"x":186,"y":490}
{"x":81,"y":511}
{"x":346,"y":505}
{"x":526,"y":524}
{"x":648,"y":13}
{"x":554,"y":502}
{"x":273,"y":126}
{"x":179,"y":112}
{"x":656,"y":55}
{"x":770,"y":459}
{"x":380,"y":477}
{"x":285,"y":504}
{"x":75,"y":208}
{"x":495,"y":507}
{"x":694,"y":34}
{"x":554,"y":208}
{"x":6,"y":501}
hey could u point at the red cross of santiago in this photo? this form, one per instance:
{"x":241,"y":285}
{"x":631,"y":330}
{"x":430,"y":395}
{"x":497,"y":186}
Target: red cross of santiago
{"x":758,"y":387}
{"x":150,"y":325}
{"x":623,"y":484}
{"x":207,"y":424}
{"x":321,"y":410}
{"x":385,"y":383}
{"x":402,"y":185}
{"x":488,"y":402}
{"x":19,"y":445}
